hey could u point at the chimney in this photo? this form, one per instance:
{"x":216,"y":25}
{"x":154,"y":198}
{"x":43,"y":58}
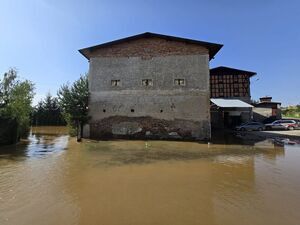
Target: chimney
{"x":265,"y":99}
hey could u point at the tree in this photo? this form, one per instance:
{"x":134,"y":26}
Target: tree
{"x":15,"y":100}
{"x":6,"y":86}
{"x":73,"y":100}
{"x":47,"y":112}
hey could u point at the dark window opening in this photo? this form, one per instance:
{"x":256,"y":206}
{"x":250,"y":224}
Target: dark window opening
{"x":161,"y":110}
{"x":147,"y":82}
{"x":115,"y":83}
{"x":104,"y":110}
{"x":179,"y":82}
{"x":132,"y":110}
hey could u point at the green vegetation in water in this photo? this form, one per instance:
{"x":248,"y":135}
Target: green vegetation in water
{"x":73,"y":100}
{"x":16,"y":96}
{"x":69,"y":108}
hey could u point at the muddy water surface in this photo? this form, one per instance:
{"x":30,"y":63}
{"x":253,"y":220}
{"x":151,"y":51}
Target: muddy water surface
{"x":50,"y":179}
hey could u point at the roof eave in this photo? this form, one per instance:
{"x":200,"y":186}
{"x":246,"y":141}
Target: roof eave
{"x":214,"y":53}
{"x":82,"y":52}
{"x":249,"y":73}
{"x":213,"y":48}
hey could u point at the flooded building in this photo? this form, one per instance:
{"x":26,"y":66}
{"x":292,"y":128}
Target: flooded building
{"x":150,"y":86}
{"x":230,"y":96}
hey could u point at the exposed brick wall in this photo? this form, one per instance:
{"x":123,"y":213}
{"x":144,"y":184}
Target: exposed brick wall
{"x":148,"y":48}
{"x":149,"y":128}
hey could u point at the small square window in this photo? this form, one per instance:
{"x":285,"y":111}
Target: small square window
{"x":179,"y":82}
{"x":115,"y":83}
{"x":147,"y":82}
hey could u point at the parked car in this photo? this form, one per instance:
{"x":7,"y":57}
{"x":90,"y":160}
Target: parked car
{"x":282,"y":125}
{"x":249,"y":126}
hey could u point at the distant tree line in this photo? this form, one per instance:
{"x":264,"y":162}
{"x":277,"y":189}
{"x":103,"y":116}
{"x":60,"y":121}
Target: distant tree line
{"x":47,"y":113}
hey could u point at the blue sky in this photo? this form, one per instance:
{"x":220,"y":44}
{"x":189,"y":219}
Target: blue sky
{"x":41,"y":37}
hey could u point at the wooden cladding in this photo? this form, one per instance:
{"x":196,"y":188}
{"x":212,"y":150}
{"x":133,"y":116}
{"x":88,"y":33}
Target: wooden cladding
{"x":229,"y":86}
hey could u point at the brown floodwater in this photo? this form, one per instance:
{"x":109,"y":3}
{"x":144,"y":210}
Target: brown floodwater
{"x":50,"y":179}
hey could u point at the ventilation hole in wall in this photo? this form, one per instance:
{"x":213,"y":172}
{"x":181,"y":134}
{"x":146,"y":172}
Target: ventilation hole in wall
{"x":132,"y":110}
{"x":161,"y":110}
{"x":104,"y":110}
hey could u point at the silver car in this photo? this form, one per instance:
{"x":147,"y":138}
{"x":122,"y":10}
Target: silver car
{"x":249,"y":126}
{"x":282,"y":125}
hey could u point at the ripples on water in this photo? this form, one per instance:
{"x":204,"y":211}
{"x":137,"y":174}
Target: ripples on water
{"x":51,"y":179}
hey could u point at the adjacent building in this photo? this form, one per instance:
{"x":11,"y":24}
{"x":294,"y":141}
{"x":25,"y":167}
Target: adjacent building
{"x":150,"y":86}
{"x":267,"y":110}
{"x":230,"y":83}
{"x":230,"y":96}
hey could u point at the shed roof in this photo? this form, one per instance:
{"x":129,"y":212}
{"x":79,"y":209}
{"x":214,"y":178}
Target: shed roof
{"x":223,"y":70}
{"x":230,"y":103}
{"x":212,"y":47}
